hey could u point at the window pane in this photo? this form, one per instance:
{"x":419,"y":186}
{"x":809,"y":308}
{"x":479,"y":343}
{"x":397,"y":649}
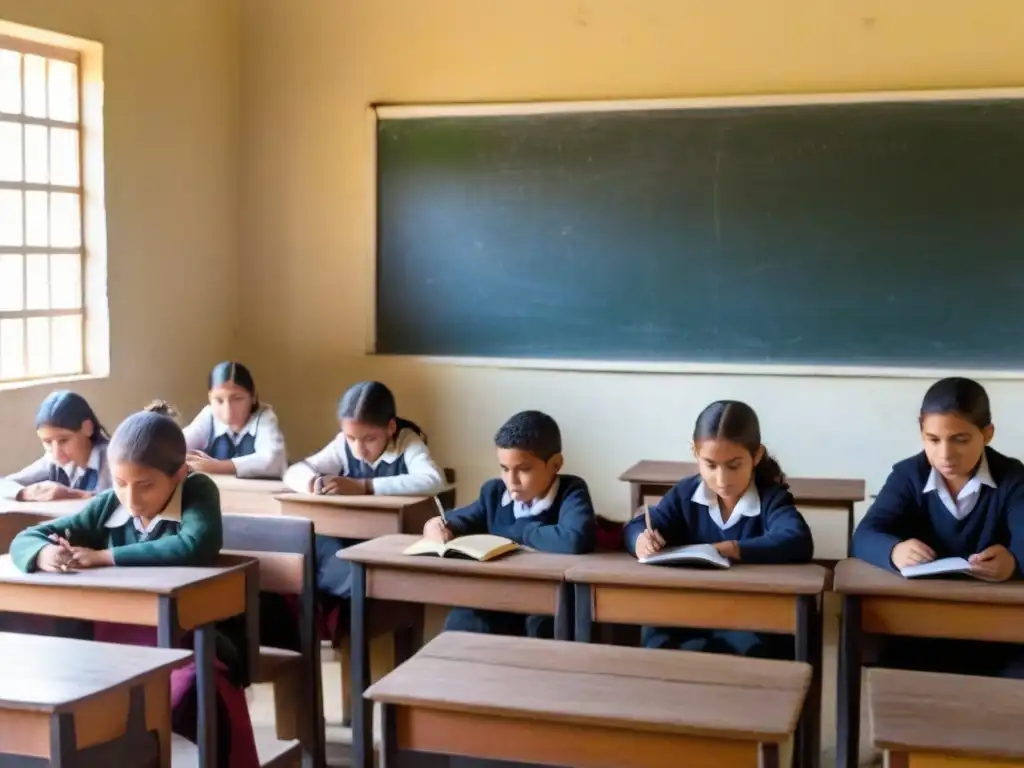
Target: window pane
{"x":37,"y":281}
{"x":37,"y":163}
{"x":35,"y":86}
{"x":10,"y":82}
{"x":38,"y":346}
{"x":64,"y":156}
{"x":11,"y":219}
{"x":10,"y":151}
{"x":63,"y":91}
{"x":65,"y":220}
{"x":67,"y":344}
{"x":65,"y":281}
{"x":12,"y":349}
{"x":11,"y":282}
{"x":37,"y":219}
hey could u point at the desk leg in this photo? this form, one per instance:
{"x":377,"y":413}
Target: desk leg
{"x":362,"y":709}
{"x":848,"y":694}
{"x":769,"y":756}
{"x":205,"y":648}
{"x":389,"y":736}
{"x":808,"y":649}
{"x":564,"y":612}
{"x":584,"y":614}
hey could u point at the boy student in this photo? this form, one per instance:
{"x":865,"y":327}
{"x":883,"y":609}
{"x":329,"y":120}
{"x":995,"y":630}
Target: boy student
{"x":532,"y":504}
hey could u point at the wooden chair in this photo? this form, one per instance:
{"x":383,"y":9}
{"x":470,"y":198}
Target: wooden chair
{"x":284,"y":548}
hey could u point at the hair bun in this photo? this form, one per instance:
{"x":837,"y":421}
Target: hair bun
{"x":163,"y":408}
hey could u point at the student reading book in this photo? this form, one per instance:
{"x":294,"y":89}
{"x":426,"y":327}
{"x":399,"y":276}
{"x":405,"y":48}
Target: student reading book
{"x":740,"y":506}
{"x":532,"y":505}
{"x":958,"y":498}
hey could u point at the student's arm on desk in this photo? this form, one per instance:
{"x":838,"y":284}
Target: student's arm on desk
{"x":787,"y":537}
{"x":886,"y":523}
{"x":84,"y":529}
{"x":198,"y":432}
{"x":668,"y":518}
{"x":36,"y":472}
{"x":268,"y":459}
{"x":329,"y":460}
{"x":575,"y":533}
{"x":470,"y":520}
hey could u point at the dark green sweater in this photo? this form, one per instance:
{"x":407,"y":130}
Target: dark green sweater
{"x":196,"y":541}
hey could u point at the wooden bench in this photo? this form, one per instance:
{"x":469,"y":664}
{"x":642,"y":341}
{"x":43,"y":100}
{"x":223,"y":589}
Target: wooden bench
{"x":588,"y":706}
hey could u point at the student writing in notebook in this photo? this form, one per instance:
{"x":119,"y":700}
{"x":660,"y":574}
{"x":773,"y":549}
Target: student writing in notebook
{"x":531,"y":504}
{"x":235,"y":434}
{"x":74,"y":462}
{"x":959,"y":497}
{"x":739,"y":503}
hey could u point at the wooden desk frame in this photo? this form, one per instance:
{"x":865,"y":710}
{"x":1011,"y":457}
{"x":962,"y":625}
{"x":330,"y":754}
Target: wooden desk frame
{"x":349,"y":519}
{"x":797,"y":615}
{"x":383,"y":582}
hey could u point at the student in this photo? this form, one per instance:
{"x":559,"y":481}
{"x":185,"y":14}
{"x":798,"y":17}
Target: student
{"x":740,"y":503}
{"x":375,"y":452}
{"x":532,"y":504}
{"x":235,"y":434}
{"x":957,"y":498}
{"x":156,"y":514}
{"x":74,"y":464}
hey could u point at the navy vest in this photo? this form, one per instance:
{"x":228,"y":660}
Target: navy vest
{"x":224,"y":448}
{"x":359,"y":469}
{"x":86,"y":481}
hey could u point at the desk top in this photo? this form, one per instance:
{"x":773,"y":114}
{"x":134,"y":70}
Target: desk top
{"x":805,"y":490}
{"x":622,"y":569}
{"x":946,"y":713}
{"x":366,"y":503}
{"x":52,"y":674}
{"x":581,"y":683}
{"x":230,"y":483}
{"x":856,"y":577}
{"x":47,"y":508}
{"x":387,"y":551}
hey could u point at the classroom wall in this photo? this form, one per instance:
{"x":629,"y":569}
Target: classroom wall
{"x":172,"y":168}
{"x":311,"y":67}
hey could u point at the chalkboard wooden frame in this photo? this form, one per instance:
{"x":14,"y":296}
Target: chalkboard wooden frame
{"x":384,"y":111}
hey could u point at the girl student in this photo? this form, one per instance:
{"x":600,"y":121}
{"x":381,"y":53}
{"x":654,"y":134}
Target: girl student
{"x":235,"y":434}
{"x":739,"y":503}
{"x":376,"y":452}
{"x":156,"y":514}
{"x":74,"y":462}
{"x":958,"y":497}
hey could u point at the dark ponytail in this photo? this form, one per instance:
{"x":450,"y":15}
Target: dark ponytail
{"x":737,"y":422}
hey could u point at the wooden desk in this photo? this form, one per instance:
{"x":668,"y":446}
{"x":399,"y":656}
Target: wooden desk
{"x":522,"y":582}
{"x":248,"y":497}
{"x":47,"y":508}
{"x":74,"y":703}
{"x":656,"y":478}
{"x":614,"y":588}
{"x":929,"y":720}
{"x":877,"y":601}
{"x":174,"y":600}
{"x":360,"y":517}
{"x":552,"y":703}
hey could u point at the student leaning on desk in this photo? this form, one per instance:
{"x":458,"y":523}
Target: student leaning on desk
{"x":531,"y":504}
{"x":957,"y":498}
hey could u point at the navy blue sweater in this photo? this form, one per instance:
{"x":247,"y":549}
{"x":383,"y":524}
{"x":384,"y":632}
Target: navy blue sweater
{"x":568,"y":527}
{"x":778,"y":535}
{"x":903,"y":511}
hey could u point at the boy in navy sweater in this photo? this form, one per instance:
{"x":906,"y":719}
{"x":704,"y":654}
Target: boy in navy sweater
{"x":957,"y":498}
{"x":740,"y":504}
{"x":532,"y":504}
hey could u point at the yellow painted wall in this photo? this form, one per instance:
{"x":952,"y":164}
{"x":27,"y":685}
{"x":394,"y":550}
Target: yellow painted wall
{"x":172,"y":168}
{"x":311,"y":67}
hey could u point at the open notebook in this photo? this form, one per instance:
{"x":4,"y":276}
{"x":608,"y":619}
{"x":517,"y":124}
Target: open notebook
{"x":699,"y":555}
{"x":945,"y":566}
{"x":481,"y":546}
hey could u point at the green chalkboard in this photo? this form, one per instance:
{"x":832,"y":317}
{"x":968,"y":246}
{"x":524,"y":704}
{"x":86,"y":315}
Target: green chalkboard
{"x":854,"y":234}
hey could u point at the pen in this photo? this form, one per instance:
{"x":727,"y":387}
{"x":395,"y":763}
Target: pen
{"x":440,"y":509}
{"x":647,"y":518}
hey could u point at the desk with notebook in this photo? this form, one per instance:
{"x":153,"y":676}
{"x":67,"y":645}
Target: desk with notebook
{"x":173,"y":600}
{"x":519,"y":582}
{"x":360,"y":517}
{"x":614,"y":588}
{"x":248,"y":497}
{"x":877,"y":601}
{"x":550,"y":703}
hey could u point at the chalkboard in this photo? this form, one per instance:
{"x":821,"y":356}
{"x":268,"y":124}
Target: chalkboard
{"x":851,"y":234}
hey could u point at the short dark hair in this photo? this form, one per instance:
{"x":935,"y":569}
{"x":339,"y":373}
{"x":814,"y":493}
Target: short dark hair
{"x":369,"y":402}
{"x":737,"y":422}
{"x":964,"y":397}
{"x":531,"y":431}
{"x":150,"y":439}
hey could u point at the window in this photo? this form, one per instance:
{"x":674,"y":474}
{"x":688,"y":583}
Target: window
{"x":42,"y":253}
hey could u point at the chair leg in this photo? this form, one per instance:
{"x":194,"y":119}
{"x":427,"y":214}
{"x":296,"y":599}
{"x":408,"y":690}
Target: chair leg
{"x":289,"y":707}
{"x":344,"y":652}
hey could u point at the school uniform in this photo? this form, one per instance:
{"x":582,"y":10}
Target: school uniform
{"x":404,"y":469}
{"x":768,"y":529}
{"x":257,"y":450}
{"x":562,"y":522}
{"x":187,"y":532}
{"x":94,"y":476}
{"x":915,"y":503}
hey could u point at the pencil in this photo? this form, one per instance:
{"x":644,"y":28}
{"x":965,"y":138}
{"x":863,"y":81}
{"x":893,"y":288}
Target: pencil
{"x":440,"y":508}
{"x":647,"y":518}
